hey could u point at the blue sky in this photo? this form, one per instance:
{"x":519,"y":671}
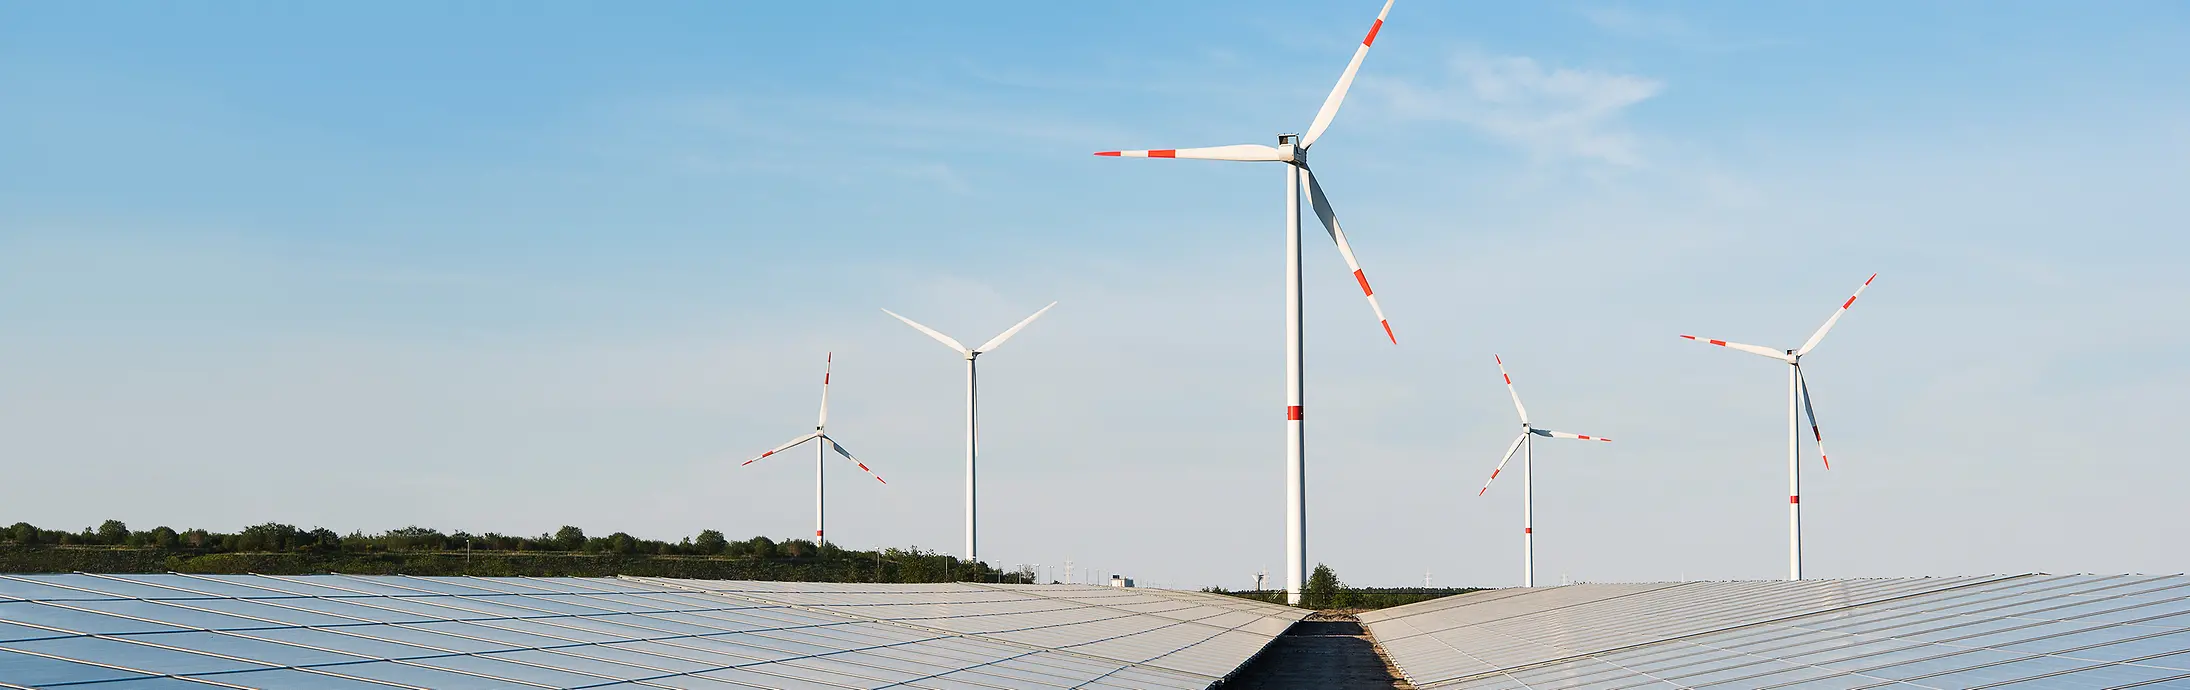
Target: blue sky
{"x":501,"y":267}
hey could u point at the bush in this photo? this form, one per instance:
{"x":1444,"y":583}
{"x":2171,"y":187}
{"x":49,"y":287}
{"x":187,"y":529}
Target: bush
{"x":1323,"y":590}
{"x":113,"y":533}
{"x":710,"y":542}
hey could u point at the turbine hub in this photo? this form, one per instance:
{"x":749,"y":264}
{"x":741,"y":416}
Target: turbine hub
{"x":1289,"y":149}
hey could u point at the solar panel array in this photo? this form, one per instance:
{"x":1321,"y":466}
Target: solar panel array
{"x":338,"y":632}
{"x":2029,"y":631}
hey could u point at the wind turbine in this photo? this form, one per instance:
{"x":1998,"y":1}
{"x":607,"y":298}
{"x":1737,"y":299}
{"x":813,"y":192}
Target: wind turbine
{"x":1798,"y":394}
{"x":972,"y":439}
{"x":1292,"y":150}
{"x":821,"y":433}
{"x":1526,"y":444}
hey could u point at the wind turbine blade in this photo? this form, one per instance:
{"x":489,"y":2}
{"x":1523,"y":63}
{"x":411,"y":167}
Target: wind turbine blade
{"x":848,"y":456}
{"x":998,"y":341}
{"x":1516,"y":393}
{"x":1780,"y":355}
{"x":1330,"y":224}
{"x":784,"y":447}
{"x":1835,"y":318}
{"x":1510,"y":450}
{"x":826,"y":366}
{"x":1562,"y":434}
{"x":944,"y":339}
{"x":1803,"y":383}
{"x":1345,"y":81}
{"x":1235,"y":152}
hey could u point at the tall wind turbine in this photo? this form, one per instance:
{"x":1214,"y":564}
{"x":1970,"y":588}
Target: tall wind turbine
{"x":973,"y":553}
{"x":1292,"y":150}
{"x":1526,"y":444}
{"x":821,"y":434}
{"x":1798,"y":395}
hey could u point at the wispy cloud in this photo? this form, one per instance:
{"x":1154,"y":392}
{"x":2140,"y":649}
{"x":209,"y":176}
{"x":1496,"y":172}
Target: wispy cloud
{"x":1669,"y":29}
{"x":1553,"y":112}
{"x":1632,"y":23}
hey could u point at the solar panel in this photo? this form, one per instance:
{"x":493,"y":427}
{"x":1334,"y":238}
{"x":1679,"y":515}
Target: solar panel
{"x":2021,"y":631}
{"x":147,"y":632}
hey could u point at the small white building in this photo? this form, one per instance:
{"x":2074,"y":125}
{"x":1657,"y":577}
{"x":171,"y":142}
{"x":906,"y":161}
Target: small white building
{"x":1120,"y":581}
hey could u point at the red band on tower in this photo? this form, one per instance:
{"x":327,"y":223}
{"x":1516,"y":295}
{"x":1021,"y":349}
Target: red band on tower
{"x":1793,"y":500}
{"x":1292,"y":413}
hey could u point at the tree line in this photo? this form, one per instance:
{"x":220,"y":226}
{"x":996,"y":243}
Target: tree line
{"x":276,"y":548}
{"x":278,"y":537}
{"x":1324,"y":590}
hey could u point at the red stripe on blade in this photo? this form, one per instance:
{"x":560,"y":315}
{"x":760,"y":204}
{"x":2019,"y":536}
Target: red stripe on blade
{"x":1867,"y":281}
{"x":1850,"y":302}
{"x":1164,"y":153}
{"x":1720,"y":343}
{"x":1373,"y":28}
{"x":1364,"y":280}
{"x":1113,"y":154}
{"x":1388,"y":331}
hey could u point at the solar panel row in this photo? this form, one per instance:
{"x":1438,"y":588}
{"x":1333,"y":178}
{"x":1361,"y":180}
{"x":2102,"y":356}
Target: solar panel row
{"x":336,"y":632}
{"x":2036,"y":631}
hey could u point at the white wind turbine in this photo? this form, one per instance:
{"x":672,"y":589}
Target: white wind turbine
{"x":1292,"y":150}
{"x":1798,"y":395}
{"x":1526,"y":444}
{"x":821,"y":433}
{"x":973,"y":553}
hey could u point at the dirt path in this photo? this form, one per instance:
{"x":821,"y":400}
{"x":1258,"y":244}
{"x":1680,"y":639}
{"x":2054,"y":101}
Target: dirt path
{"x":1325,"y":651}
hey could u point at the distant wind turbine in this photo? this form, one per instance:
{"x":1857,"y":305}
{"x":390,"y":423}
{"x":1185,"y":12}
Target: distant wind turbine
{"x":1798,"y":395}
{"x":1526,"y":444}
{"x":973,"y":553}
{"x":1292,"y":150}
{"x":821,"y":433}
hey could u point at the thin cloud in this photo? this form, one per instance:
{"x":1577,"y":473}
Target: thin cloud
{"x":1628,"y":22}
{"x":1668,"y":29}
{"x":1554,"y":113}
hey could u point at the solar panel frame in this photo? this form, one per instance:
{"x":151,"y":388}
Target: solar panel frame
{"x":346,"y":631}
{"x":2000,"y":631}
